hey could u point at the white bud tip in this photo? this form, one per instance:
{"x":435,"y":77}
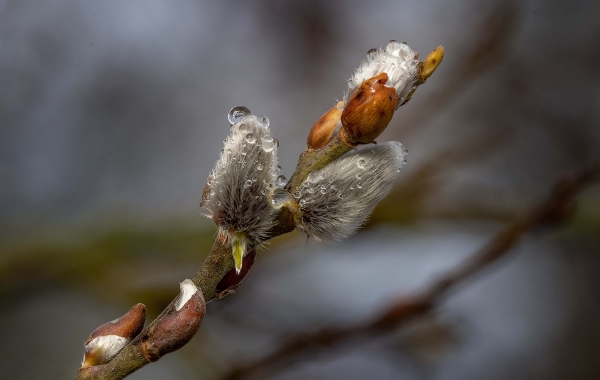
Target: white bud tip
{"x":102,"y":349}
{"x":188,"y":289}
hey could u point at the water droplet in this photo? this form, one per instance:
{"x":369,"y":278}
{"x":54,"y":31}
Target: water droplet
{"x":218,"y":203}
{"x":237,"y":114}
{"x":281,"y":181}
{"x":393,"y":47}
{"x":359,"y":185}
{"x":250,"y":139}
{"x":404,"y":162}
{"x":222,"y":151}
{"x":310,"y":190}
{"x":248,"y":183}
{"x":318,"y":175}
{"x":297,"y":194}
{"x":279,"y":197}
{"x":405,"y":152}
{"x":264,"y":121}
{"x":253,"y":179}
{"x":211,"y":192}
{"x":263,"y":191}
{"x":350,"y":82}
{"x":352,"y":187}
{"x":359,"y":176}
{"x":209,"y":181}
{"x":333,"y":187}
{"x":302,"y":202}
{"x":259,"y":167}
{"x":361,"y":164}
{"x":403,"y":51}
{"x":305,"y":184}
{"x":268,"y":143}
{"x":340,"y":196}
{"x":244,"y":127}
{"x":229,"y":151}
{"x":398,"y":170}
{"x":278,"y":167}
{"x":371,"y":54}
{"x":323,"y":190}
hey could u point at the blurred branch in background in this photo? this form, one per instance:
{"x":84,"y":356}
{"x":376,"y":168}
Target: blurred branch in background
{"x":557,"y":208}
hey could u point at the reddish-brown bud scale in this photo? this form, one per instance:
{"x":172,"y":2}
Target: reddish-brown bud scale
{"x":127,"y":326}
{"x":321,"y":132}
{"x":232,"y":280}
{"x":108,"y":339}
{"x":175,"y":329}
{"x":369,"y":111}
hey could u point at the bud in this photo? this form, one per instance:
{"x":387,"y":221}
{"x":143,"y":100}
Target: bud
{"x":336,"y":200}
{"x":368,"y":111}
{"x":237,"y":192}
{"x":173,"y":330}
{"x":321,"y":132}
{"x":232,"y":280}
{"x":107,"y":340}
{"x":431,"y":63}
{"x":377,"y":88}
{"x":428,"y":66}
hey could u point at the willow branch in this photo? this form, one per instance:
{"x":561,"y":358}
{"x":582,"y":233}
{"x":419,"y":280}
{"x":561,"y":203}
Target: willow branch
{"x":554,"y":209}
{"x":359,"y":120}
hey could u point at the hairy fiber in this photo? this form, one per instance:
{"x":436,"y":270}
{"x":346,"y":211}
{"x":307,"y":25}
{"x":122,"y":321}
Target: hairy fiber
{"x":397,"y":60}
{"x":237,"y":193}
{"x":336,"y":200}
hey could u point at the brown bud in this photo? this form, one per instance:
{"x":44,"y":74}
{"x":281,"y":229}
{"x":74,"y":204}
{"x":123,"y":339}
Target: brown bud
{"x":321,"y":132}
{"x":107,"y":340}
{"x":368,"y":111}
{"x":232,"y":280}
{"x":173,"y":330}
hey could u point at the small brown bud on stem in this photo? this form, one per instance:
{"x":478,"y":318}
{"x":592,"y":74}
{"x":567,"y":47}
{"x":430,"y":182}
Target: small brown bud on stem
{"x":321,"y":132}
{"x":232,"y":280}
{"x":178,"y":326}
{"x":369,"y":111}
{"x":107,"y":340}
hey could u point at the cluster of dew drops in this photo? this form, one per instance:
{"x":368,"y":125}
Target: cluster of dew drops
{"x":394,"y":48}
{"x":330,"y":187}
{"x":267,"y":143}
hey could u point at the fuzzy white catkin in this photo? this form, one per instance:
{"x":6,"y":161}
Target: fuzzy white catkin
{"x":237,"y":194}
{"x":336,"y":200}
{"x":397,"y":60}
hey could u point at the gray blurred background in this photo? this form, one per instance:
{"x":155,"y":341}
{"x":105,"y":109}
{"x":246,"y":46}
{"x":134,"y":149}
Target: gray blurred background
{"x":112,"y":113}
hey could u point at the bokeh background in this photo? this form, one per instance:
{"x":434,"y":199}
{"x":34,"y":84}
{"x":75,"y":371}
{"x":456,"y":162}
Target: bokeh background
{"x":112,"y":113}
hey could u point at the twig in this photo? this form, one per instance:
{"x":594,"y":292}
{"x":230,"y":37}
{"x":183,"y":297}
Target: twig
{"x":365,"y":115}
{"x":555,"y":209}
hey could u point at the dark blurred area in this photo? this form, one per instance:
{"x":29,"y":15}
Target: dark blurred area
{"x":113,"y":113}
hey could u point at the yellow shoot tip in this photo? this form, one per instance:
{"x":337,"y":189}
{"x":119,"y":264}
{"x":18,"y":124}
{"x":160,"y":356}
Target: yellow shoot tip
{"x":431,"y":63}
{"x":238,"y":247}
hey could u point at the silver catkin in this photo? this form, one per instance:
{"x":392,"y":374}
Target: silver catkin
{"x":237,"y":192}
{"x":336,"y":200}
{"x":397,"y":60}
